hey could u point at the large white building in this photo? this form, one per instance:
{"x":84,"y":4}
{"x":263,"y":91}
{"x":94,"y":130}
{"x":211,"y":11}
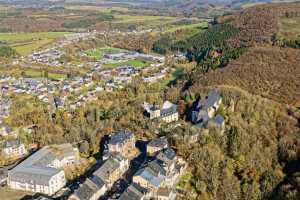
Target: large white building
{"x":41,"y":172}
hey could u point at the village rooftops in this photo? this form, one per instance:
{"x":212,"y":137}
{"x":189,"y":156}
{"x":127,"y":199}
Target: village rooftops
{"x":209,"y":101}
{"x":89,"y":188}
{"x":109,"y":166}
{"x":36,"y":174}
{"x":150,"y":177}
{"x":12,"y":143}
{"x":168,"y":108}
{"x":133,"y":192}
{"x":161,"y":142}
{"x":166,"y":156}
{"x":156,"y":168}
{"x":166,"y":193}
{"x":120,"y":137}
{"x":39,"y":166}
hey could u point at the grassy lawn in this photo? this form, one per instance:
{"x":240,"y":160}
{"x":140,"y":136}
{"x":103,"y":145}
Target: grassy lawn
{"x":99,"y":53}
{"x":170,"y":78}
{"x":134,"y":63}
{"x":26,"y":43}
{"x":289,"y":28}
{"x":36,"y":74}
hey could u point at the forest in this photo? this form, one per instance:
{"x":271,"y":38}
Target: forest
{"x":6,"y":51}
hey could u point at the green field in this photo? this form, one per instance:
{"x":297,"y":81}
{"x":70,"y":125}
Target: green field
{"x":26,"y":43}
{"x":99,"y":53}
{"x":200,"y":25}
{"x":134,"y":63}
{"x":289,"y":28}
{"x":248,"y":5}
{"x":164,"y":83}
{"x":137,"y":18}
{"x":101,"y":9}
{"x":36,"y":74}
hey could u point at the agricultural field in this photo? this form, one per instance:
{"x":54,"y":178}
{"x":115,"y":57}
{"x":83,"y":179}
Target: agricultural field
{"x":99,"y":53}
{"x":289,"y":28}
{"x":134,"y":63}
{"x":250,"y":4}
{"x":101,"y":9}
{"x":26,"y":43}
{"x":200,"y":25}
{"x":139,"y":19}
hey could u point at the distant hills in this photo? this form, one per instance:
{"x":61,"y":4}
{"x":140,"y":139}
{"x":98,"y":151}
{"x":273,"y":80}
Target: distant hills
{"x":34,"y":3}
{"x":187,"y":7}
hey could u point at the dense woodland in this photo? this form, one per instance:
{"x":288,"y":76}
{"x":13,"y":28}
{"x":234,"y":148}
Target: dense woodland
{"x":6,"y":51}
{"x":250,"y":160}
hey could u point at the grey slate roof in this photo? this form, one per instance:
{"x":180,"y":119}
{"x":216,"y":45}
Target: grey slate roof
{"x":151,"y":177}
{"x":109,"y":166}
{"x":34,"y":175}
{"x":168,"y":111}
{"x":120,"y":137}
{"x":89,"y":188}
{"x":166,"y":156}
{"x":200,"y":112}
{"x":35,"y":169}
{"x":212,"y":97}
{"x":219,"y":120}
{"x":12,"y":143}
{"x":156,"y":168}
{"x":133,"y":192}
{"x":158,"y":142}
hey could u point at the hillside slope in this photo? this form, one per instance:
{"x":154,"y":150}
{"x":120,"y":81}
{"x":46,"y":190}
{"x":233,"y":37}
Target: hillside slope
{"x":271,"y":72}
{"x":247,"y":161}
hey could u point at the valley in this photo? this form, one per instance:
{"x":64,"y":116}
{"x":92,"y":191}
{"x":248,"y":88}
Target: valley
{"x":159,"y":99}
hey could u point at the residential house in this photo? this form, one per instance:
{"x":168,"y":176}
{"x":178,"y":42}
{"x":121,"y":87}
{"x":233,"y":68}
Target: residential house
{"x":122,"y":142}
{"x":167,"y":113}
{"x":112,"y":169}
{"x":14,"y":148}
{"x":151,"y":177}
{"x":156,"y":145}
{"x":160,"y":175}
{"x":5,"y":130}
{"x":134,"y":192}
{"x":66,"y":154}
{"x":59,"y":102}
{"x":92,"y":189}
{"x":165,"y":194}
{"x":42,"y":172}
{"x":205,"y":108}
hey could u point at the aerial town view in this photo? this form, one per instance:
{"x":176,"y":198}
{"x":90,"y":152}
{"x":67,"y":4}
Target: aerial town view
{"x":149,"y":100}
